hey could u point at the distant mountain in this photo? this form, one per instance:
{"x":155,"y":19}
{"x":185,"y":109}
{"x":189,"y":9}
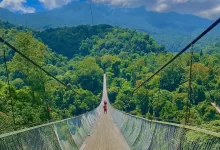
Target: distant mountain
{"x":169,"y":29}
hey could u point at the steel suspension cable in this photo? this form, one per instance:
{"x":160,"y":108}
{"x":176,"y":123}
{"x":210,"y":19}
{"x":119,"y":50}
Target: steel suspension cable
{"x":178,"y":54}
{"x":34,"y":63}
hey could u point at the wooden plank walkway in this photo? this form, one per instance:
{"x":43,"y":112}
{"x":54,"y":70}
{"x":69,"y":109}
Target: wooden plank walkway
{"x":105,"y":135}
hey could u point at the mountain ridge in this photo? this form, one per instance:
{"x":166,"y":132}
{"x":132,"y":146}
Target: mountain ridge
{"x":152,"y":18}
{"x":161,"y":26}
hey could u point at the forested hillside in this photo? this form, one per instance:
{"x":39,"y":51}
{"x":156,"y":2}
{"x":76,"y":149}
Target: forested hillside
{"x":97,"y":41}
{"x":126,"y":56}
{"x":36,"y":98}
{"x":33,"y":93}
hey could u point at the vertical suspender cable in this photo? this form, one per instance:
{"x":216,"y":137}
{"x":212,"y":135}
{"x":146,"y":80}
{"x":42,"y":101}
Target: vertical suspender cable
{"x":190,"y":80}
{"x":9,"y":88}
{"x":190,"y":86}
{"x":159,"y":89}
{"x":91,"y":12}
{"x":48,"y":107}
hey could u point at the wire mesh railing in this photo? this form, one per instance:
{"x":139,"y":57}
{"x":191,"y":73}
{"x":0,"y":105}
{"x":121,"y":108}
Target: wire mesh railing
{"x":66,"y":134}
{"x":142,"y":134}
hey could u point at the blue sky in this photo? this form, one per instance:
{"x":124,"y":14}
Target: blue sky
{"x":204,"y":8}
{"x":35,"y":4}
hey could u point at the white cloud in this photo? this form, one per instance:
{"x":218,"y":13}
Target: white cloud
{"x":211,"y":13}
{"x":180,"y":1}
{"x":16,"y":5}
{"x":51,"y":4}
{"x":128,"y":3}
{"x":161,"y":7}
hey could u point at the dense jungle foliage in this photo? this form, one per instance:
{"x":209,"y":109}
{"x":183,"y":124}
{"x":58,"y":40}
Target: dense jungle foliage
{"x":127,"y":57}
{"x":97,"y":41}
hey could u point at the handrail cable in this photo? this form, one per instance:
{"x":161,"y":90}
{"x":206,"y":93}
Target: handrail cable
{"x":34,"y":63}
{"x":178,"y":54}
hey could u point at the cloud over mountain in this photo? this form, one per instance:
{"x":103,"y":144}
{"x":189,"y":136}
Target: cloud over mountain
{"x":51,"y":4}
{"x":16,"y":6}
{"x":205,"y":8}
{"x":211,"y":13}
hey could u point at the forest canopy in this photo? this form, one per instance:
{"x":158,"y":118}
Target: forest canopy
{"x":97,"y":40}
{"x":79,"y":56}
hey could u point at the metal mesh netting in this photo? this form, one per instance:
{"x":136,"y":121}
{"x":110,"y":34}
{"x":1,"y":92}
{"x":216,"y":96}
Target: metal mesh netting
{"x":140,"y":134}
{"x":66,"y":134}
{"x":143,"y":134}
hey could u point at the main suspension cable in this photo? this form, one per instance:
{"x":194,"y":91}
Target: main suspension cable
{"x":177,"y":55}
{"x":35,"y":64}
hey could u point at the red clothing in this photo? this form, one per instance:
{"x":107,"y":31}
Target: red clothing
{"x":105,"y":107}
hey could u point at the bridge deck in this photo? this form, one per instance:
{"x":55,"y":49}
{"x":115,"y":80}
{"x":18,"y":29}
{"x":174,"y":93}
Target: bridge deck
{"x":105,"y":136}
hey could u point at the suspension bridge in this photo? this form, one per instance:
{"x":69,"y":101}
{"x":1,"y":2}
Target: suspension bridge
{"x":116,"y":130}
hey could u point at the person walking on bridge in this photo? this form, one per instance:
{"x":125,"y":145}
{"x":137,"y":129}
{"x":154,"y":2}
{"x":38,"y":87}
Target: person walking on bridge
{"x":105,"y":107}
